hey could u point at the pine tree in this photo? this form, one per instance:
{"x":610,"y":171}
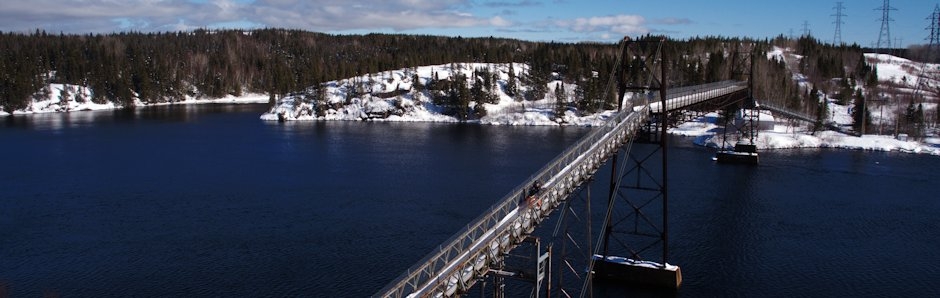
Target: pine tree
{"x":479,"y":110}
{"x":64,"y":98}
{"x":477,"y":93}
{"x":416,"y":83}
{"x":511,"y":88}
{"x":845,"y":91}
{"x":80,"y":95}
{"x":860,"y":114}
{"x":714,"y":68}
{"x":561,"y":101}
{"x":872,"y":79}
{"x":909,"y":113}
{"x":323,"y":102}
{"x":580,"y":97}
{"x":433,"y":82}
{"x":462,"y":97}
{"x":822,"y":113}
{"x":862,"y":70}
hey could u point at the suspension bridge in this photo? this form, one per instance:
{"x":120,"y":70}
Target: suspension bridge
{"x":569,"y":261}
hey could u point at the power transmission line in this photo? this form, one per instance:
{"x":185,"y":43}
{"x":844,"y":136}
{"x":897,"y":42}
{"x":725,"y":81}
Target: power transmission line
{"x":837,"y":37}
{"x":806,"y":32}
{"x":934,"y":38}
{"x":884,"y":37}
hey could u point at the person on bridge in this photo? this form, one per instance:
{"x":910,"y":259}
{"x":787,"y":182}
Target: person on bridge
{"x":532,"y":196}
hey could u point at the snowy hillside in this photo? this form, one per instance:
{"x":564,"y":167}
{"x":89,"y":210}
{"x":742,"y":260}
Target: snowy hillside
{"x":391,"y":96}
{"x":787,"y":135}
{"x":903,"y":72}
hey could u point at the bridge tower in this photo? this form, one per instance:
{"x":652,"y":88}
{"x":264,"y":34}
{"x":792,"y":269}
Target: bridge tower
{"x":741,"y":118}
{"x":634,"y":240}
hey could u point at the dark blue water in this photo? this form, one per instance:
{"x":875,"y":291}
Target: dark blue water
{"x":823,"y":223}
{"x":211,"y":201}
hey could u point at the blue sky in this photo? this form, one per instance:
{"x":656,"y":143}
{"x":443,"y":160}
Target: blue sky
{"x":540,"y":20}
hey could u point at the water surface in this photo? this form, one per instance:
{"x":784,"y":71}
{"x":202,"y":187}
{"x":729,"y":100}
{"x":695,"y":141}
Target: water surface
{"x":210,"y":201}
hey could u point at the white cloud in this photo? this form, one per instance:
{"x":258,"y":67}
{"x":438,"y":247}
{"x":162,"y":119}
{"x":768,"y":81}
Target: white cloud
{"x":500,"y":22}
{"x":81,"y":16}
{"x":619,"y":24}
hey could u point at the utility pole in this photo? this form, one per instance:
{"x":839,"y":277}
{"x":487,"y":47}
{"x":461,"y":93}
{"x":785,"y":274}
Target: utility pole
{"x":884,"y":37}
{"x":837,"y":37}
{"x":806,"y":29}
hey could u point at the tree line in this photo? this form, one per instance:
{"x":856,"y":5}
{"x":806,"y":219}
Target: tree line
{"x":167,"y":67}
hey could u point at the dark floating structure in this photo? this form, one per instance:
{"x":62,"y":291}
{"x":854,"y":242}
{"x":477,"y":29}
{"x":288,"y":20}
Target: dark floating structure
{"x":742,"y":154}
{"x":637,"y":272}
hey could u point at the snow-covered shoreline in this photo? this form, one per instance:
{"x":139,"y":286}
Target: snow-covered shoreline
{"x":78,"y":100}
{"x":707,"y":133}
{"x":409,"y":106}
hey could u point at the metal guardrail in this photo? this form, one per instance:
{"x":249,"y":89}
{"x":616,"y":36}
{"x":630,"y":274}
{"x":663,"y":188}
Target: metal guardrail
{"x":787,"y":112}
{"x":804,"y":117}
{"x":439,"y":267}
{"x":686,"y":96}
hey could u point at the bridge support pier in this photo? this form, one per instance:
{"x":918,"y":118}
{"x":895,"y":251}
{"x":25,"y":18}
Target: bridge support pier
{"x":745,"y":127}
{"x":637,"y":272}
{"x":741,"y":154}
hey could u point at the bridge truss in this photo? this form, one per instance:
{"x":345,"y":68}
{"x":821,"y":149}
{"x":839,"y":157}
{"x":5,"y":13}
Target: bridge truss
{"x":489,"y":250}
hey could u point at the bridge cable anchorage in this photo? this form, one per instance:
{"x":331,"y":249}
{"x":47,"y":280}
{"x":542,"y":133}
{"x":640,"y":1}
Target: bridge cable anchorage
{"x":483,"y":245}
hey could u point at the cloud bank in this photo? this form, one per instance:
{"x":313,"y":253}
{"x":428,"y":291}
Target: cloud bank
{"x":172,"y":15}
{"x":441,"y":16}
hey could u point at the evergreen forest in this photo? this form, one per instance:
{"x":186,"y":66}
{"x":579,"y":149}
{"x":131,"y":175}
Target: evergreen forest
{"x":166,"y":67}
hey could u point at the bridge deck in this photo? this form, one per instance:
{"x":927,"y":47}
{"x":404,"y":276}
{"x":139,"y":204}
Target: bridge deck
{"x":454,"y":266}
{"x":804,"y":117}
{"x":680,"y":98}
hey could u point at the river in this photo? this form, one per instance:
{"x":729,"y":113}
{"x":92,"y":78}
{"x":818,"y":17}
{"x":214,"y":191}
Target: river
{"x":207,"y":200}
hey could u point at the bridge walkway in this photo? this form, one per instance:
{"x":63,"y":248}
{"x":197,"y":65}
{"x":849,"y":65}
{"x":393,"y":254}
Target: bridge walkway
{"x":454,"y":266}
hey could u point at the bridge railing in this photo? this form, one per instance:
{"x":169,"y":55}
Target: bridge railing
{"x":431,"y":267}
{"x":787,"y":112}
{"x":697,"y":89}
{"x":438,"y":267}
{"x":677,"y":98}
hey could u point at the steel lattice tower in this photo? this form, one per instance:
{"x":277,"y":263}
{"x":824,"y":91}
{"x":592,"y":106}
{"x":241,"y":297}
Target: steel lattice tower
{"x":934,"y":38}
{"x":932,"y":50}
{"x":884,"y":37}
{"x":837,"y":37}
